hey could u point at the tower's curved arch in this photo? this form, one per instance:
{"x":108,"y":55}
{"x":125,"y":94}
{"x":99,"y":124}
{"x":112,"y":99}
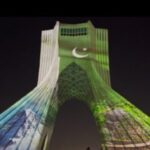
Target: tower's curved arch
{"x":75,"y":127}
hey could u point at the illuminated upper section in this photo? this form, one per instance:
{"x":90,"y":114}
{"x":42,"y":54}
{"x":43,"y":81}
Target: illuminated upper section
{"x":84,"y":41}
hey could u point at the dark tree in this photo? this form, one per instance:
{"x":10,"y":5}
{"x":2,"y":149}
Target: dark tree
{"x":88,"y":148}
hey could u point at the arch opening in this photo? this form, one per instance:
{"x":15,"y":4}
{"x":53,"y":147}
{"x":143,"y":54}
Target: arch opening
{"x":75,"y":128}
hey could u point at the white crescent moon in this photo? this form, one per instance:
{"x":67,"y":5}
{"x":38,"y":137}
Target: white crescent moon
{"x":75,"y":54}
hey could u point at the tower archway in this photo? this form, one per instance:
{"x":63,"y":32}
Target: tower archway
{"x":75,"y":128}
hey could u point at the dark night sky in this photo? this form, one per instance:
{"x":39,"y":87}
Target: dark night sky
{"x":129,"y":49}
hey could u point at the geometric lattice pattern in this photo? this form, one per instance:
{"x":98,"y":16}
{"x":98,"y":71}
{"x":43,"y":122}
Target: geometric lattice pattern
{"x":73,"y":82}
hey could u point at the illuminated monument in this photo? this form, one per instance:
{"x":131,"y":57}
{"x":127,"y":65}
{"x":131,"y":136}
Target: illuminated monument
{"x":74,"y":63}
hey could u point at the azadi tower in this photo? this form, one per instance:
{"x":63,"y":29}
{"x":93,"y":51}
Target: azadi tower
{"x":74,"y":63}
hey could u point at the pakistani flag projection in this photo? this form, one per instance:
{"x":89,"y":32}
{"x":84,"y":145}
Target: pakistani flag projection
{"x":74,"y":63}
